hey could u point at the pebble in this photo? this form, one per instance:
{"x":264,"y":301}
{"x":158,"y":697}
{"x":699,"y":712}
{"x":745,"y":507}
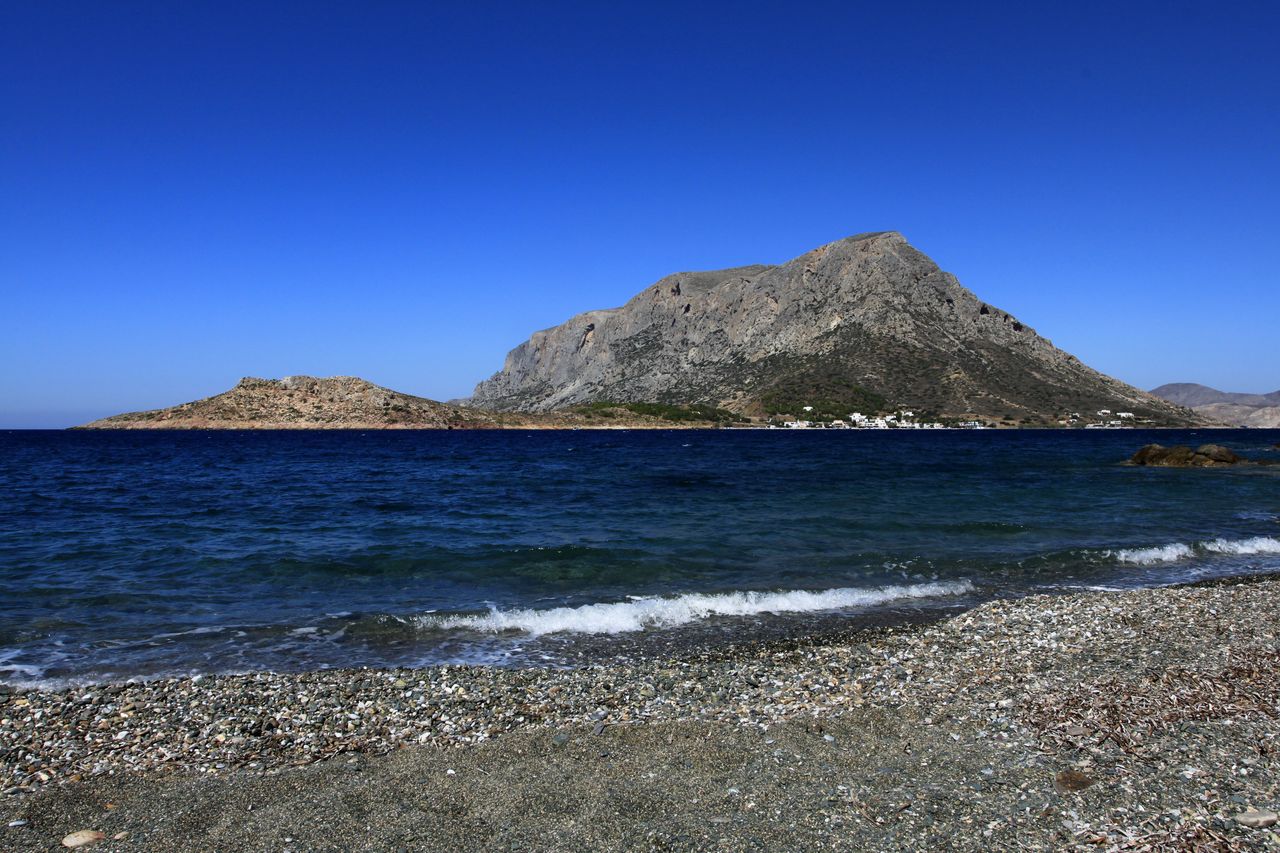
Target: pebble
{"x":1069,"y":781}
{"x":1257,"y":818}
{"x":83,"y":837}
{"x":1048,"y":656}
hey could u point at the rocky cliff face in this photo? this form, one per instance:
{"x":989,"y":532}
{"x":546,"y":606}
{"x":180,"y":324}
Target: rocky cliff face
{"x":303,"y":402}
{"x":863,"y":321}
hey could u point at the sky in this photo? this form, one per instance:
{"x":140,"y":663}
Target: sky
{"x":195,"y":192}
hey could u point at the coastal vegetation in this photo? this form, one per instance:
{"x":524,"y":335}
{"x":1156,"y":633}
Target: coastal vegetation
{"x":828,"y":396}
{"x":693,"y":413}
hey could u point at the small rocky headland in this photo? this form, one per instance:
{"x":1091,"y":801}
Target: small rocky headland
{"x":1139,"y":721}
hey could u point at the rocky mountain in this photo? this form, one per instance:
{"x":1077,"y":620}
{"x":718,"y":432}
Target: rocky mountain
{"x":862,"y":323}
{"x":1191,"y":394}
{"x":304,"y":402}
{"x":1261,"y":411}
{"x":348,"y":402}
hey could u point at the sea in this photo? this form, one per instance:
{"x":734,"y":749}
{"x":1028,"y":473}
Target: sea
{"x":143,"y":554}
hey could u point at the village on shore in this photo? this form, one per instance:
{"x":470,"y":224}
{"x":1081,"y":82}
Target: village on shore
{"x":905,"y":419}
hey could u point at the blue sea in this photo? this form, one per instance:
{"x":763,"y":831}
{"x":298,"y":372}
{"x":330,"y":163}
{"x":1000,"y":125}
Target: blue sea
{"x":138,"y":554}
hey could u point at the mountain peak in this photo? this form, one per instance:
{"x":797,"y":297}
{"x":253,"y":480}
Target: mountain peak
{"x":867,"y":317}
{"x":875,"y":236}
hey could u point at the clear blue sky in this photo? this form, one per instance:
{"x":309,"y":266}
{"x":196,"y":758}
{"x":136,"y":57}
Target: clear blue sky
{"x":193,"y":192}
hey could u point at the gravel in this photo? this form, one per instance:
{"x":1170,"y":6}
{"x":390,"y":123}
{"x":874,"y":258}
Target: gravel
{"x":1142,"y":720}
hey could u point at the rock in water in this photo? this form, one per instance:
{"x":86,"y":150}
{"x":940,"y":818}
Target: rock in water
{"x":860,"y":324}
{"x":1181,"y":456}
{"x":1158,"y":454}
{"x":1217,"y":453}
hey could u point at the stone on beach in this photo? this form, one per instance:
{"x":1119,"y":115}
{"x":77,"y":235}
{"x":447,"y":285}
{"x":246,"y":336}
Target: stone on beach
{"x":1067,"y":781}
{"x":83,"y":837}
{"x":987,"y":733}
{"x":1257,"y":818}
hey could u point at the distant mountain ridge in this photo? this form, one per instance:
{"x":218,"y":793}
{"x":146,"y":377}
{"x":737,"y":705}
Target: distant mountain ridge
{"x":1190,"y":394}
{"x":864,"y":322}
{"x":1261,"y":411}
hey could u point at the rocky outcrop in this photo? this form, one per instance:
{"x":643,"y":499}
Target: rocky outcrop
{"x":1181,"y":456}
{"x":303,"y":402}
{"x":1257,"y":411}
{"x":864,"y":321}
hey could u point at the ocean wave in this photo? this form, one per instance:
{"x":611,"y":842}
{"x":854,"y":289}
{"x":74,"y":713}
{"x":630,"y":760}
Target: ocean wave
{"x":1175,"y":551}
{"x":666,"y":612}
{"x":1151,"y":556}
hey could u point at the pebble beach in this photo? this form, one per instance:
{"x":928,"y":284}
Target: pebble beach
{"x":1140,"y":720}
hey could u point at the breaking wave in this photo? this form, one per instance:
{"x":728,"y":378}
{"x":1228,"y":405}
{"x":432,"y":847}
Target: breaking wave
{"x":1256,"y":545}
{"x":1178,"y":551}
{"x":1151,"y":556}
{"x":665,"y":612}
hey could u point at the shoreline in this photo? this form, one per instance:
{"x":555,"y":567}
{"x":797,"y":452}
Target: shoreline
{"x":668,"y":646}
{"x":358,"y":427}
{"x":1163,"y":698}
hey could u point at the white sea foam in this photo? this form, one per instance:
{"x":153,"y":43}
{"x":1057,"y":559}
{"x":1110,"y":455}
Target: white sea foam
{"x":1256,"y":545}
{"x":655,"y":612}
{"x":30,"y":671}
{"x":1151,"y":556}
{"x":1175,"y":551}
